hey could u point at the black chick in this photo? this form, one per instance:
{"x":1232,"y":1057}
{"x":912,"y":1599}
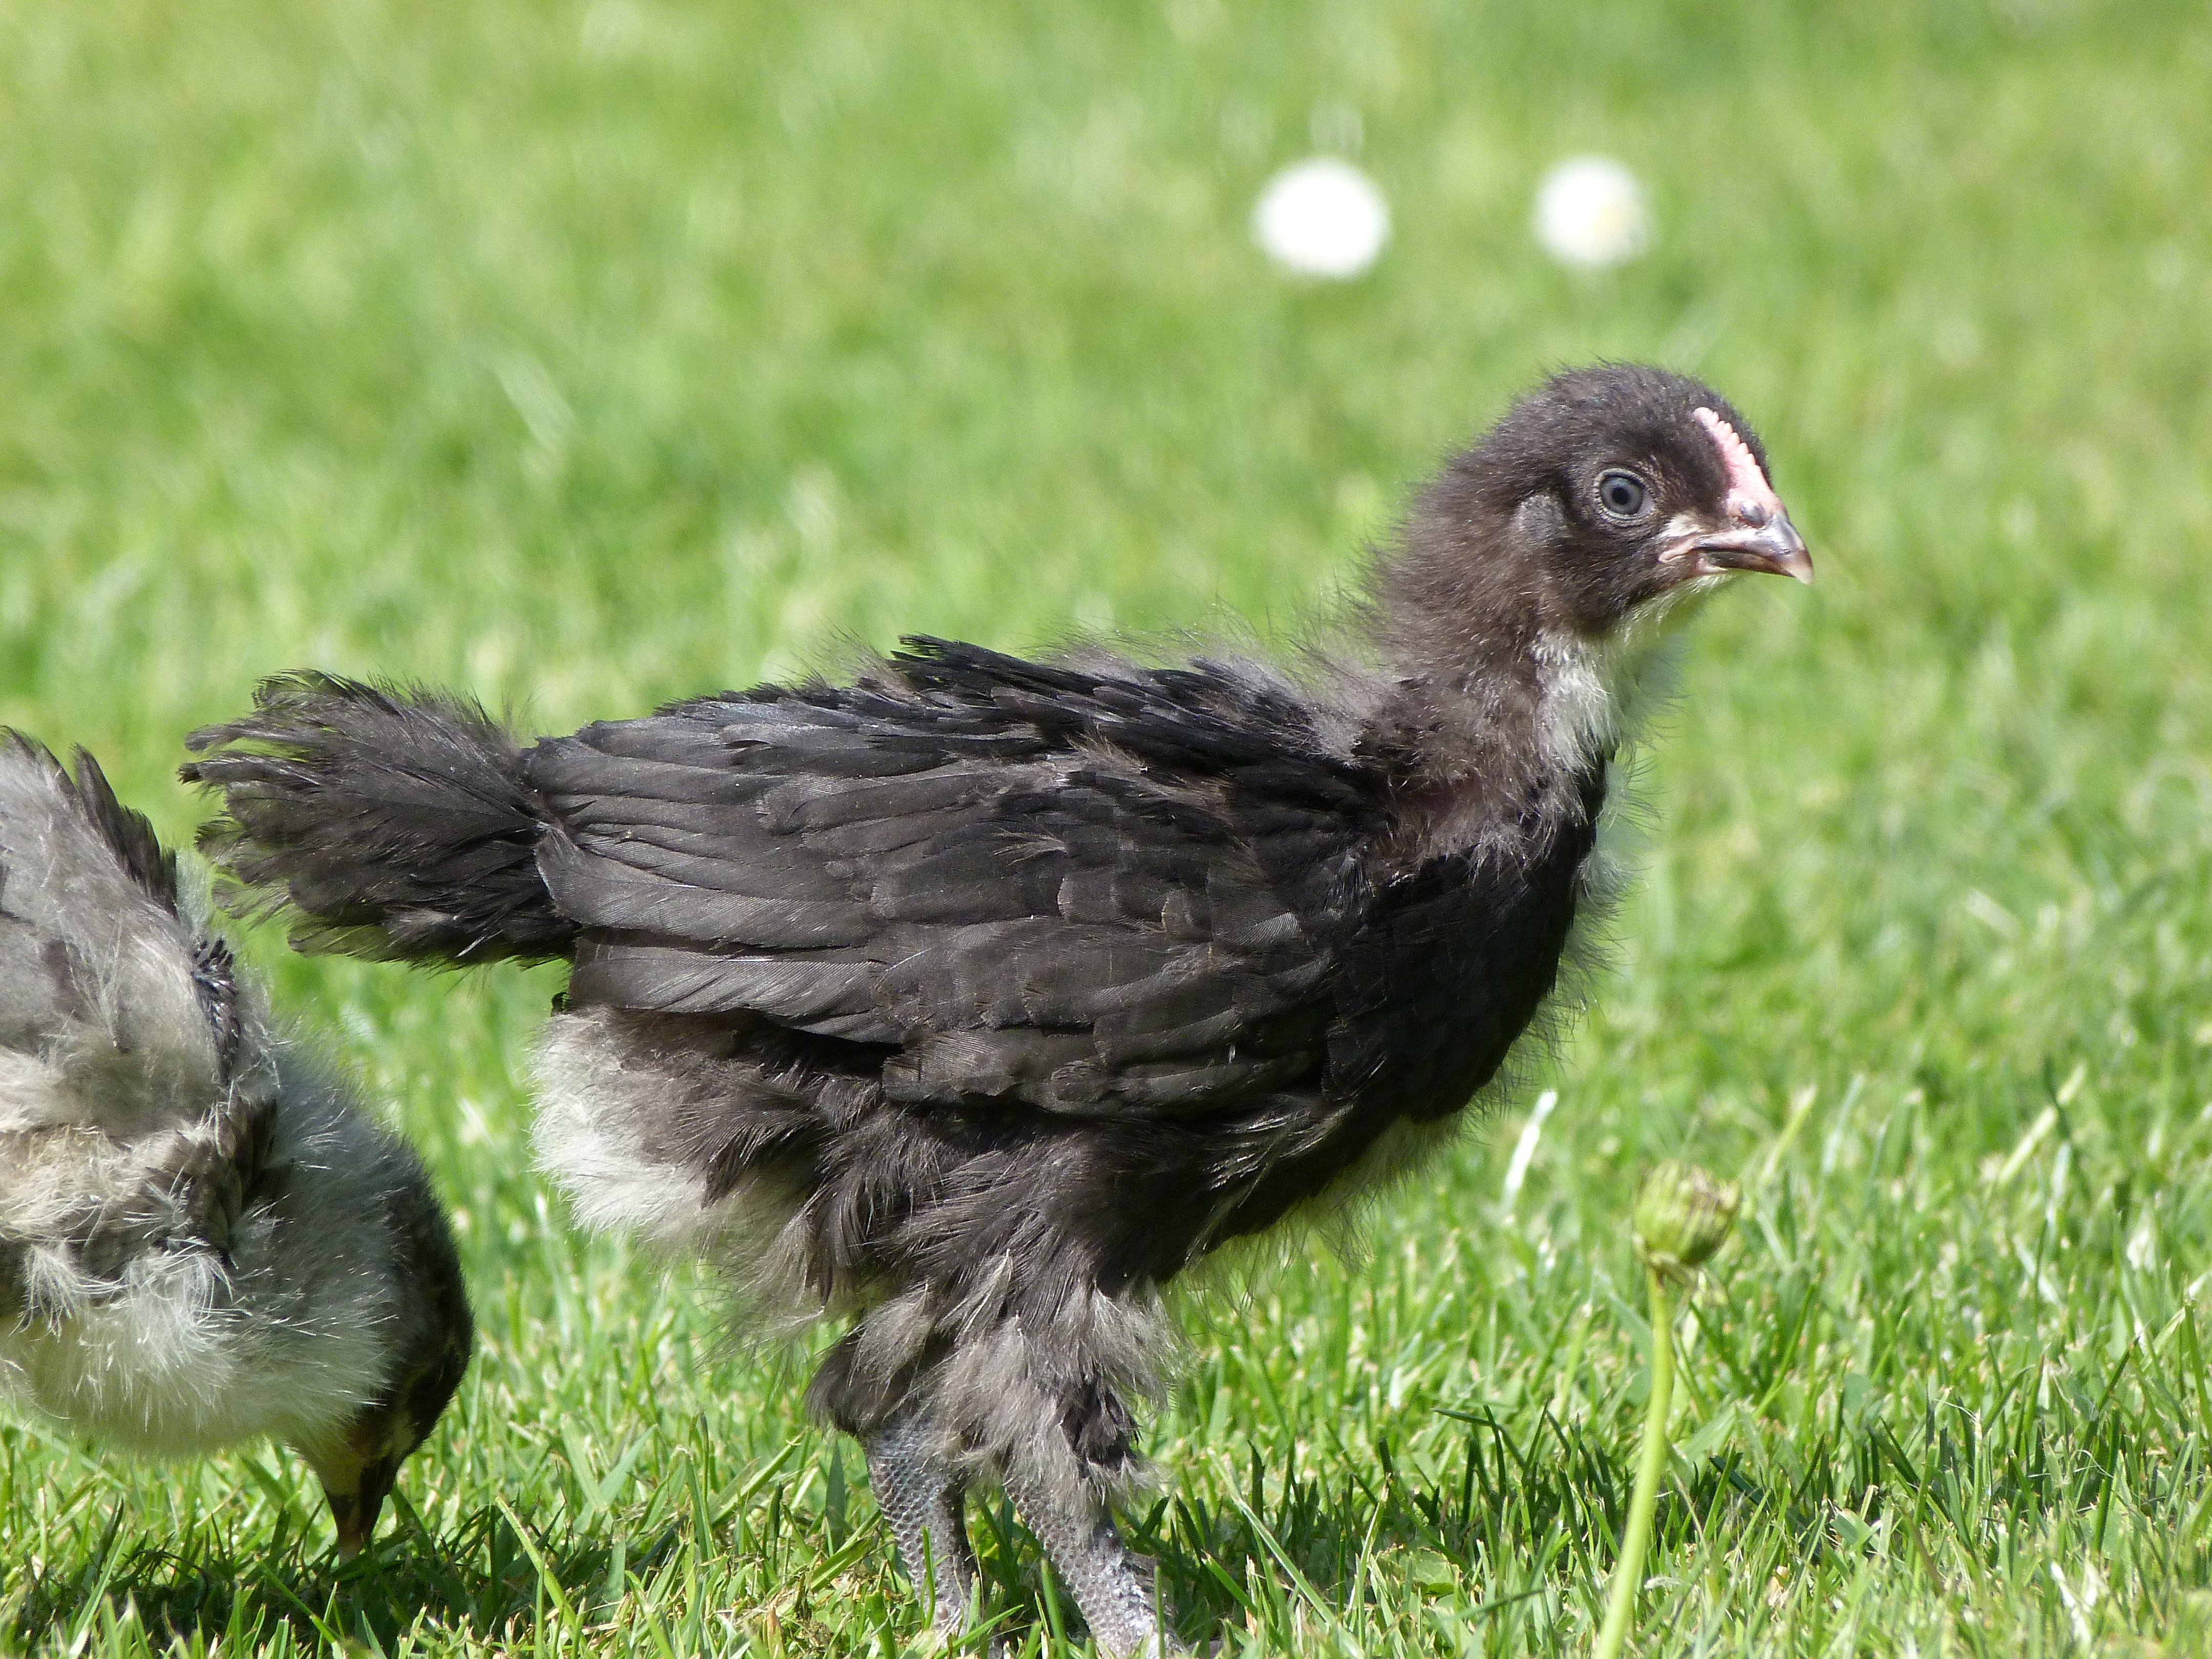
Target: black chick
{"x":203,"y":1239}
{"x":977,"y":999}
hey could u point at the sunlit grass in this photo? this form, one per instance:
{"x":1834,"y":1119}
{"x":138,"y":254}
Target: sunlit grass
{"x":588,"y":355}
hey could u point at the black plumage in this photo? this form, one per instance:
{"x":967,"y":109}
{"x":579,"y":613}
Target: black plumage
{"x":979,"y":997}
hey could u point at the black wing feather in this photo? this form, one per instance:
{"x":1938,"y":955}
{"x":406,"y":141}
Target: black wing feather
{"x":1040,"y":882}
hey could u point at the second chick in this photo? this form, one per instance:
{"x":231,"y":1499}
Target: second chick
{"x":204,"y":1240}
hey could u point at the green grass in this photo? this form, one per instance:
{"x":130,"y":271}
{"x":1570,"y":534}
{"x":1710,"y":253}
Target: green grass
{"x":589,"y":354}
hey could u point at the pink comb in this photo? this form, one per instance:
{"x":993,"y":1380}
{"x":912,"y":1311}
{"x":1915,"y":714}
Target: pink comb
{"x":1751,"y":498}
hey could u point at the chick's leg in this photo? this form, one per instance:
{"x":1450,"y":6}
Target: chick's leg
{"x":1112,"y":1585}
{"x":922,"y":1502}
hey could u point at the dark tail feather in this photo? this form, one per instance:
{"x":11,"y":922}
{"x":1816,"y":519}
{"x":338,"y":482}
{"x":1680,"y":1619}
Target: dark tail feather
{"x":399,"y":823}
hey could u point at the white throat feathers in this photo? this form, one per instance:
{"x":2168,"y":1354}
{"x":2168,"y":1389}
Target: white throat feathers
{"x":1593,"y":695}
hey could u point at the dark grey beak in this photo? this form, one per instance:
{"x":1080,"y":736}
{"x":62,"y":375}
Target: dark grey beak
{"x":355,"y":1513}
{"x":1774,"y":547}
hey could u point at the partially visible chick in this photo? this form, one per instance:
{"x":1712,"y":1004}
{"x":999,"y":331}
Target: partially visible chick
{"x":203,"y":1239}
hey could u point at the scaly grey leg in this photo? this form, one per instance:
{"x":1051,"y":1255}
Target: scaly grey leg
{"x":1111,"y":1583}
{"x":922,"y":1503}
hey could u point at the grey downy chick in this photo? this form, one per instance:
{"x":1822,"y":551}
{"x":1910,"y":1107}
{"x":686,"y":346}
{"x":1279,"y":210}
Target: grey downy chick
{"x":203,"y":1239}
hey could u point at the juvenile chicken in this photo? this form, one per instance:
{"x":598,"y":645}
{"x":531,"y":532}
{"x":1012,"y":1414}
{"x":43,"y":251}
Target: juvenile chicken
{"x":203,"y":1239}
{"x":974,"y":1000}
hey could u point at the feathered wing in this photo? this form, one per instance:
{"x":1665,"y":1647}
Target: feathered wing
{"x":119,"y":1028}
{"x":97,"y":959}
{"x":1101,"y":891}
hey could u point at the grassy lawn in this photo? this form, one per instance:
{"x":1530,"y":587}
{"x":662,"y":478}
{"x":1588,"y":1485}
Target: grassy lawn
{"x":587,"y":354}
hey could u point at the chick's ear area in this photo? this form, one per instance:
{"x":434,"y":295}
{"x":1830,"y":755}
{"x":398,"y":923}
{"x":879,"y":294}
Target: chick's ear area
{"x":440,"y":1326}
{"x":1541,"y":519}
{"x":429,"y":1391}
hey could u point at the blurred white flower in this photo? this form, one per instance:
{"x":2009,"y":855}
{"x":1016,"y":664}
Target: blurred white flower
{"x":1322,"y":217}
{"x":1591,"y":211}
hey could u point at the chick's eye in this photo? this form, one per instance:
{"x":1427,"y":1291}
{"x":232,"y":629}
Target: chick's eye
{"x":1623,"y":494}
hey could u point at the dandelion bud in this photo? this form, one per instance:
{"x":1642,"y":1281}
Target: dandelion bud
{"x":1683,"y":1215}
